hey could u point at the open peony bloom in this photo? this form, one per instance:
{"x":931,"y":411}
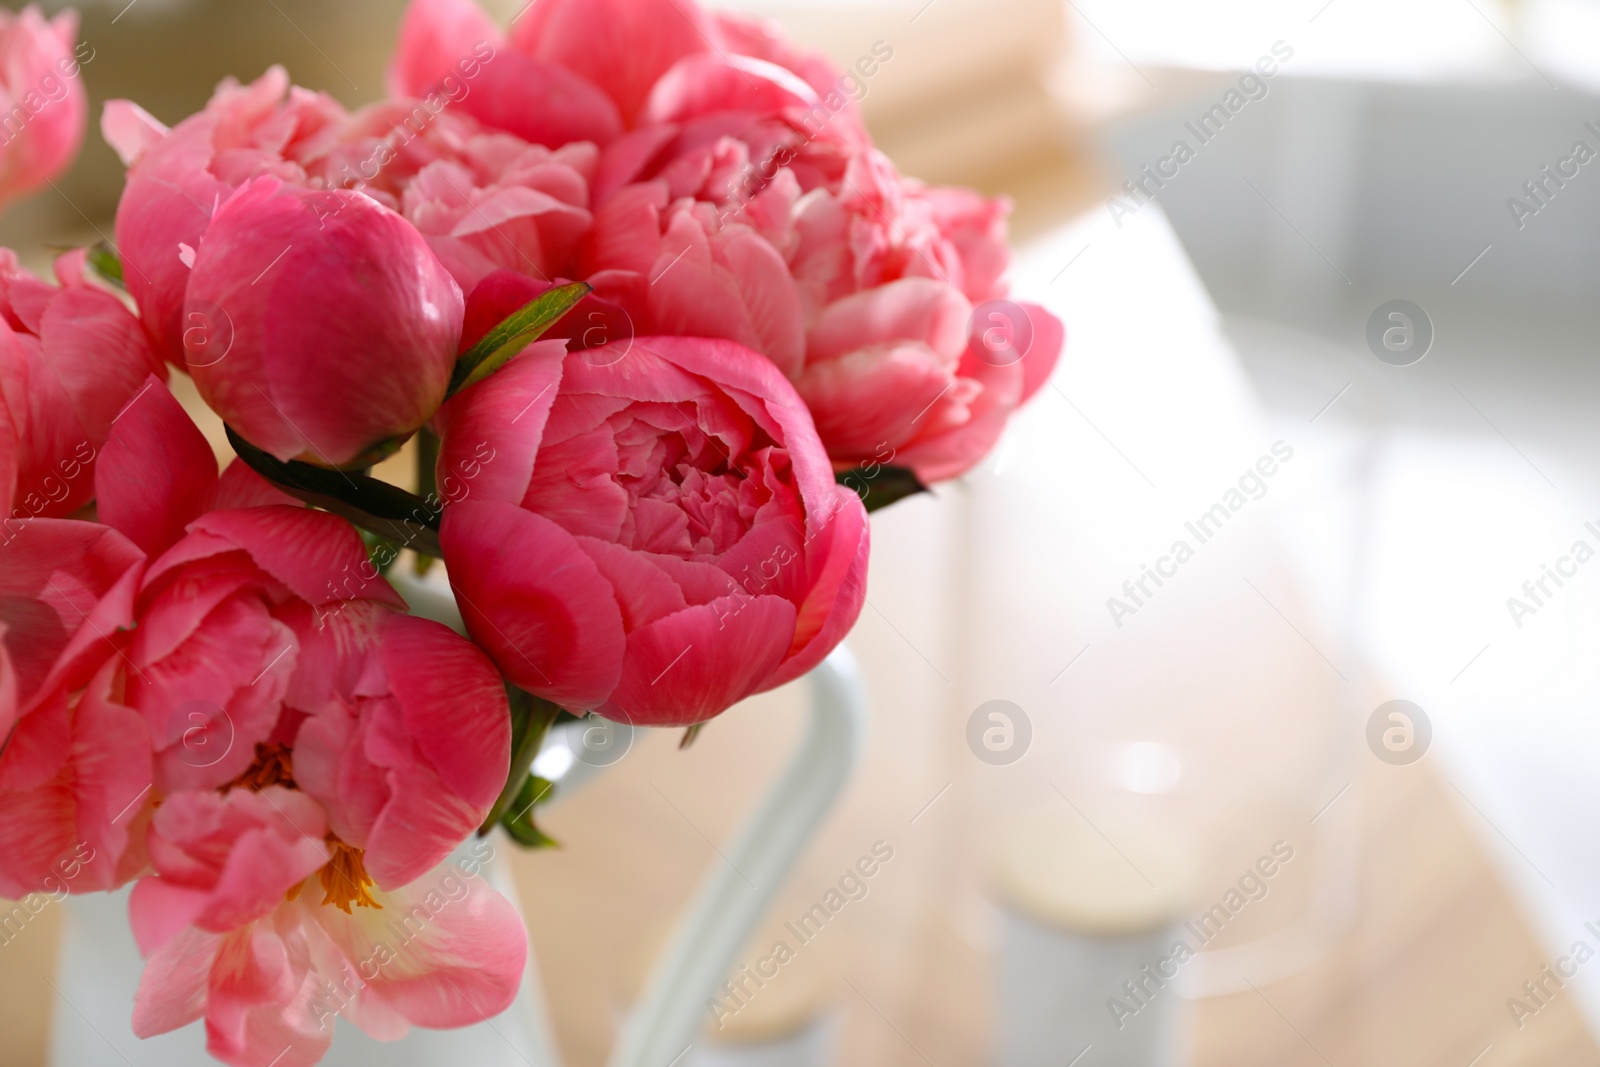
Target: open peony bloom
{"x":43,"y":106}
{"x":311,"y":755}
{"x":446,"y":951}
{"x":311,"y":887}
{"x":741,"y":198}
{"x":658,"y":534}
{"x":70,"y":357}
{"x":323,"y":328}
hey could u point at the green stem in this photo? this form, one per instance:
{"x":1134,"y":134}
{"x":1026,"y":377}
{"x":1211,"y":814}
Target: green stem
{"x":531,"y":718}
{"x":427,"y":483}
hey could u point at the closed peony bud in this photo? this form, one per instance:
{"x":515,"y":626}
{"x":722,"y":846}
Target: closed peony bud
{"x":318,"y":323}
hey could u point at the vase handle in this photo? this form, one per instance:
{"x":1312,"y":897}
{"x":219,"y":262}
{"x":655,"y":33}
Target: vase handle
{"x":735,"y":894}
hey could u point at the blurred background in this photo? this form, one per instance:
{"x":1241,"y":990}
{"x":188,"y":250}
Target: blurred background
{"x":1231,"y":335}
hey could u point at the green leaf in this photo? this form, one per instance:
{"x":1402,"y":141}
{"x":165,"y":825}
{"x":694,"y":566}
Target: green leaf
{"x":531,"y":717}
{"x":104,"y":259}
{"x":516,"y":333}
{"x":879,"y":486}
{"x":690,"y":735}
{"x":404,"y":520}
{"x":519,"y":818}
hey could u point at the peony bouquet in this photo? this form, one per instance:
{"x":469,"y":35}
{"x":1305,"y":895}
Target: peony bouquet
{"x":661,"y":327}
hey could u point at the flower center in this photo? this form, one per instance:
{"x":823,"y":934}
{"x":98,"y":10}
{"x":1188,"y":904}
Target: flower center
{"x":273,"y":766}
{"x":344,"y":878}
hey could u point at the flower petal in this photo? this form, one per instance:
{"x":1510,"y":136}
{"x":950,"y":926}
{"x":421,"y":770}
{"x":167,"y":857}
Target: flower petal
{"x":534,"y":601}
{"x":157,"y":473}
{"x":687,"y":667}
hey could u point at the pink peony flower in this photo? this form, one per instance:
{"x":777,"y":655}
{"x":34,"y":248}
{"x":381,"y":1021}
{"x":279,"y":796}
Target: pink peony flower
{"x":660,"y":534}
{"x":43,"y":106}
{"x":317,"y":872}
{"x":70,"y":357}
{"x":316,"y":754}
{"x":330,"y":328}
{"x":744,"y":200}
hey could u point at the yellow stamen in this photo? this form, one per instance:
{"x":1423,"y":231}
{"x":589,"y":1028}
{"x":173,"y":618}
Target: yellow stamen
{"x":344,"y":878}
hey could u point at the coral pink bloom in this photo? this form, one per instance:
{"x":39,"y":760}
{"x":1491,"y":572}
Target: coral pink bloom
{"x":744,"y":201}
{"x":177,"y":178}
{"x":493,"y":200}
{"x":331,"y":329}
{"x":43,"y":109}
{"x":312,"y":888}
{"x":70,"y":357}
{"x":317,"y":754}
{"x":446,"y":951}
{"x":74,"y":763}
{"x":228,"y":597}
{"x":659,"y":534}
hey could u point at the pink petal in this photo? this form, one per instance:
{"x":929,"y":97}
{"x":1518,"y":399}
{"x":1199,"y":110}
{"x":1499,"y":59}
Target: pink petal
{"x":157,"y":472}
{"x":838,"y":590}
{"x":259,"y":1004}
{"x":437,"y":38}
{"x":622,"y":46}
{"x":130,"y":130}
{"x":66,"y":588}
{"x":534,"y":601}
{"x":98,"y":352}
{"x":172,"y":990}
{"x":644,"y":590}
{"x":492,"y":430}
{"x":458,"y":957}
{"x":541,"y":102}
{"x":687,"y":667}
{"x":625,"y":158}
{"x":875,"y":398}
{"x":241,"y":487}
{"x":706,"y":84}
{"x":912,"y":309}
{"x":319,"y":556}
{"x":627,"y":231}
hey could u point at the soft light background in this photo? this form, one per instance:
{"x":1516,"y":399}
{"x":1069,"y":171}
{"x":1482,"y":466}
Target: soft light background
{"x":1204,"y":328}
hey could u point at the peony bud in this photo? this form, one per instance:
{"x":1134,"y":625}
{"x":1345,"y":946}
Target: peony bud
{"x":318,"y":324}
